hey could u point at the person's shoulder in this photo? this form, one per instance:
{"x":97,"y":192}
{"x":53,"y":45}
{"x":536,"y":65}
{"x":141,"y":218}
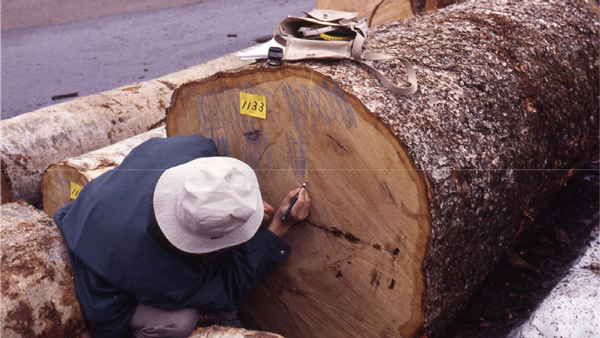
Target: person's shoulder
{"x":183,"y":139}
{"x":163,"y":153}
{"x":61,"y":213}
{"x":175,"y":144}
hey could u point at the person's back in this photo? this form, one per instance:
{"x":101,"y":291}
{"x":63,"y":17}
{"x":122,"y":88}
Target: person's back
{"x":123,"y":257}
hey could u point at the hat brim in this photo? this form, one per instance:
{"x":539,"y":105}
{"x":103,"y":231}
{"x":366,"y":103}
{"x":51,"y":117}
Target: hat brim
{"x":164,"y":202}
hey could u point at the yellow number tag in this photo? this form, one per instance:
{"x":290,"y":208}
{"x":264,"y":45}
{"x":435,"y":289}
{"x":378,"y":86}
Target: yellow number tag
{"x":75,"y":189}
{"x":253,"y":105}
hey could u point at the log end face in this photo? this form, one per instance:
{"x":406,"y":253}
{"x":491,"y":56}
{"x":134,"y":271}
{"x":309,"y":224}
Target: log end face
{"x":357,"y":261}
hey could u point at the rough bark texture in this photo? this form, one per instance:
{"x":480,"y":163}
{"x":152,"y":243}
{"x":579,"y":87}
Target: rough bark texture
{"x":377,"y":12}
{"x":508,"y":105}
{"x":507,"y":108}
{"x":38,"y":296}
{"x":59,"y":178}
{"x":33,"y":141}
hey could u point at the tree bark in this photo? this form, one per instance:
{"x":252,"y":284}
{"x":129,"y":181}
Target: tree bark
{"x":33,"y":141}
{"x":377,"y":12}
{"x":62,"y":181}
{"x":414,"y":198}
{"x":38,"y":296}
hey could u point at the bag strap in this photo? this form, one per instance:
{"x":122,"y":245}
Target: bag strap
{"x":358,"y":55}
{"x":411,"y":76}
{"x":360,"y":27}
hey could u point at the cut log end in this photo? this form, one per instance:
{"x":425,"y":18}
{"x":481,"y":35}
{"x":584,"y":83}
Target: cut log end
{"x":368,"y":231}
{"x":61,"y":184}
{"x":63,"y":181}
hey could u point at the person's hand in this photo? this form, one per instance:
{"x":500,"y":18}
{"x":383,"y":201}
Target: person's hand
{"x":299,"y":212}
{"x":269,"y":210}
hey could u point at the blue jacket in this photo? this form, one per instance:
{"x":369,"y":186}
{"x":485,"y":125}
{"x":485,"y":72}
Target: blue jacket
{"x":119,"y":258}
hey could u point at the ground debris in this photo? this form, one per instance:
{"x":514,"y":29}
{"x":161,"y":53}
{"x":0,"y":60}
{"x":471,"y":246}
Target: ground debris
{"x":64,"y":96}
{"x":516,"y":261}
{"x":551,"y":244}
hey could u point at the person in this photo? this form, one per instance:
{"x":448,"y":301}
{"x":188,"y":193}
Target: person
{"x":174,"y":230}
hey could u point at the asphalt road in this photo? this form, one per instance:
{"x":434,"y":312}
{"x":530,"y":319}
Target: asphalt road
{"x":94,"y":55}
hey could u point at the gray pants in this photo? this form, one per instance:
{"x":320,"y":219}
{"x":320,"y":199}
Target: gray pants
{"x":152,"y":322}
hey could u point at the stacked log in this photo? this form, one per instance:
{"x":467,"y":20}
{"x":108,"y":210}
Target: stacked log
{"x":414,"y":198}
{"x":38,"y":296}
{"x":33,"y":141}
{"x":377,"y":12}
{"x":62,"y":181}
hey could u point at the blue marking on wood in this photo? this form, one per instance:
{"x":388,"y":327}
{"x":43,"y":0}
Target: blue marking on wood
{"x":219,"y":118}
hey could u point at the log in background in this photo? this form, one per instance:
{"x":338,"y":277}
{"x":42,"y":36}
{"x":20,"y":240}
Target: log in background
{"x":38,"y":295}
{"x":507,"y":108}
{"x":377,"y":12}
{"x":60,"y":178}
{"x":33,"y":141}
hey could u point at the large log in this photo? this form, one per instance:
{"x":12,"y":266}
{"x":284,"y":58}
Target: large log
{"x":414,"y":198}
{"x":62,"y":181}
{"x":37,"y":293}
{"x":33,"y":141}
{"x":377,"y":12}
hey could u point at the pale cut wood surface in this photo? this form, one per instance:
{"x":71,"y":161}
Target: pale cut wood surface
{"x":61,"y":178}
{"x":505,"y":112}
{"x":355,"y":170}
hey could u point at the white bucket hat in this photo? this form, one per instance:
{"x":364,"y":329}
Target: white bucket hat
{"x":208,"y":204}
